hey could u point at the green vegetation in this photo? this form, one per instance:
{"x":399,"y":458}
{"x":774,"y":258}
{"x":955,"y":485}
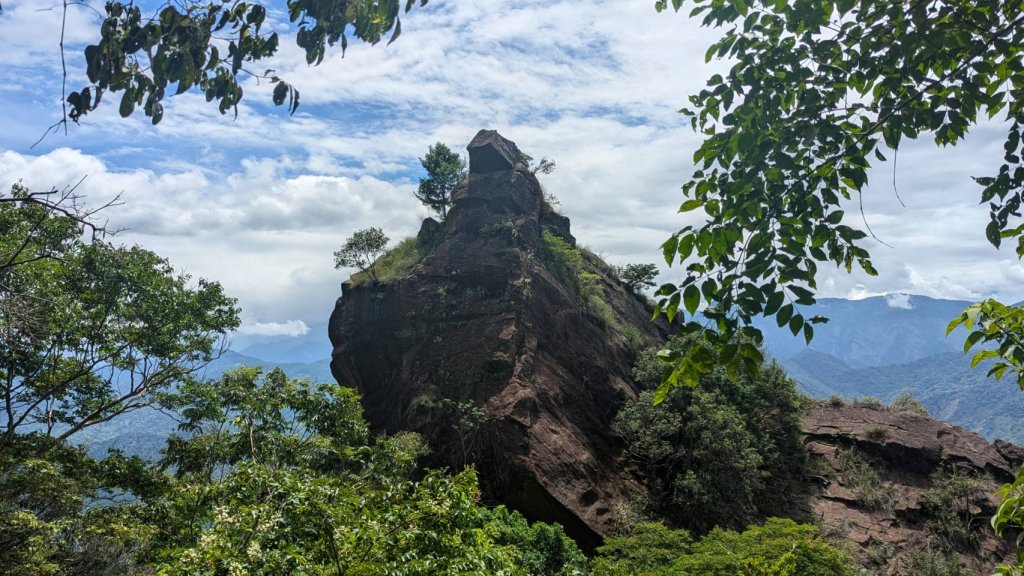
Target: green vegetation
{"x":581,"y":270}
{"x":444,"y":169}
{"x":862,"y":480}
{"x":637,"y":276}
{"x":367,"y":250}
{"x":724,"y":454}
{"x":930,"y":562}
{"x":398,"y":261}
{"x":776,"y":548}
{"x":362,"y":251}
{"x":268,"y":476}
{"x":906,"y":402}
{"x":947,"y":504}
{"x":90,"y":330}
{"x":871,"y":402}
{"x":544,"y":166}
{"x":816,"y":94}
{"x":877,"y":432}
{"x":139,"y":56}
{"x":797,"y":150}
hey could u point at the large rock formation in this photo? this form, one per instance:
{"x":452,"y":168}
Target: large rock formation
{"x":906,"y":450}
{"x":502,"y":357}
{"x":498,"y":354}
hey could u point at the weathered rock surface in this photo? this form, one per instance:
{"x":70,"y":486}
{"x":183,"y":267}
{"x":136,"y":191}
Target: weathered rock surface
{"x":485,"y":320}
{"x":906,"y":450}
{"x":490,"y":152}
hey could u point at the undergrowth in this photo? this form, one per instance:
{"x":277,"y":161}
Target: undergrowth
{"x":395,"y":264}
{"x":570,"y":264}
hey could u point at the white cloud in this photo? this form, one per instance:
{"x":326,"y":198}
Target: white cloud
{"x":289,"y":328}
{"x":900,"y":301}
{"x":261,"y":202}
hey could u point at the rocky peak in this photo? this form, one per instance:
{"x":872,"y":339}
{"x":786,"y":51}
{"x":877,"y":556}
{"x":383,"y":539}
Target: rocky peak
{"x":491,"y":152}
{"x":489,"y":347}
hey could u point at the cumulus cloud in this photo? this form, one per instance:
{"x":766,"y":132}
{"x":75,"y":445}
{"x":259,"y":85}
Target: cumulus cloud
{"x":900,"y":301}
{"x":260,"y":203}
{"x":289,"y":328}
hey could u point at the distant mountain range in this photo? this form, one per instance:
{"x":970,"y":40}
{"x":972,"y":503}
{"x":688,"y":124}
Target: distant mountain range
{"x":144,"y":432}
{"x":886,"y":345}
{"x":875,"y":331}
{"x":878,"y":346}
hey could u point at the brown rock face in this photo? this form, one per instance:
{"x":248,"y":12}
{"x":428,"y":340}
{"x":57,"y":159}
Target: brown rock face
{"x":486,"y":322}
{"x":490,"y":152}
{"x":906,"y":450}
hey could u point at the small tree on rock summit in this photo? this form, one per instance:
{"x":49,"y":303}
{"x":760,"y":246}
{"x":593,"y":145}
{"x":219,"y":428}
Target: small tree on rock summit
{"x":362,"y":250}
{"x":444,"y":169}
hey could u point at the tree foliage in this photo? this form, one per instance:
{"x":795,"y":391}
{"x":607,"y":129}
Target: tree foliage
{"x":268,"y":475}
{"x":544,"y":166}
{"x":777,"y":548}
{"x":818,"y":92}
{"x":724,"y":454}
{"x":210,"y":44}
{"x":90,"y":330}
{"x":445,"y":169}
{"x":638,"y":276}
{"x":362,"y":251}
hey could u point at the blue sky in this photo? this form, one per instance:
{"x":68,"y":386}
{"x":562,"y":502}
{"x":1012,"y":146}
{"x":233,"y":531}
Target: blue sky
{"x":261,"y":202}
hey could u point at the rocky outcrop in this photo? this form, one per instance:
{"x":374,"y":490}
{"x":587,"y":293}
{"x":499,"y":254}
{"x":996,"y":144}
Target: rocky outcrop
{"x":907,"y":451}
{"x":489,"y":350}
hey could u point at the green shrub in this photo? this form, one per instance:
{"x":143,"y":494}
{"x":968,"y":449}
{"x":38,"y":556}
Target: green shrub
{"x":633,"y":335}
{"x":928,"y":562}
{"x":869,"y":402}
{"x":860,"y":478}
{"x":836,"y":401}
{"x":397,"y":262}
{"x":566,"y":262}
{"x":725,"y":454}
{"x":779,"y":547}
{"x":877,"y":432}
{"x":651,"y":549}
{"x":878,"y":553}
{"x":906,"y":402}
{"x":540,"y":549}
{"x":947,"y":506}
{"x":578,"y":267}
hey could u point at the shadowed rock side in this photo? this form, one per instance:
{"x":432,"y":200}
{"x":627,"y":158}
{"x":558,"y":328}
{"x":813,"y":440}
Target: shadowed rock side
{"x":487,"y":320}
{"x":906,"y":451}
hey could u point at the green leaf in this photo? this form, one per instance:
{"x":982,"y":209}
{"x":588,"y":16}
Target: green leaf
{"x":808,"y":333}
{"x":668,"y":249}
{"x":775,"y":301}
{"x":982,"y":356}
{"x":796,"y":323}
{"x":691,"y":299}
{"x":784,"y":315}
{"x":972,"y":339}
{"x":954,"y":323}
{"x":127,"y":103}
{"x":690,"y":205}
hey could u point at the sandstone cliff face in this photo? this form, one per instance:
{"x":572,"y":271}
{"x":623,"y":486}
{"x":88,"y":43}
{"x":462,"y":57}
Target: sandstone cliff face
{"x":490,"y":353}
{"x":906,"y":450}
{"x":486,"y":348}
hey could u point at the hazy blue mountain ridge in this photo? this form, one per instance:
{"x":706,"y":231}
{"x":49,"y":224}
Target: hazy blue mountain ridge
{"x":144,"y":432}
{"x":875,"y":331}
{"x":944,"y":383}
{"x":885,"y":345}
